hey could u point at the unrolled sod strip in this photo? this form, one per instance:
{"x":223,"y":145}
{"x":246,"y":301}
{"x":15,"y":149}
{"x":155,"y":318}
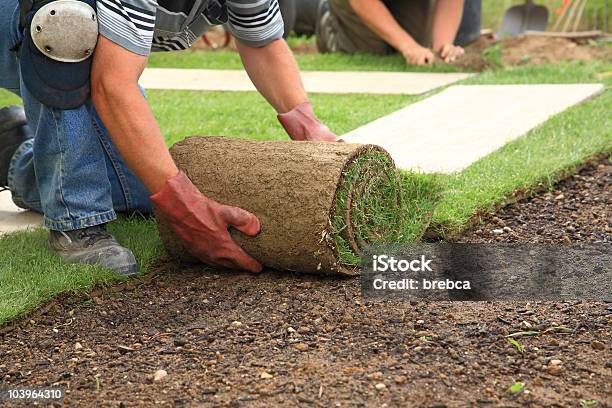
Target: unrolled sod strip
{"x":319,"y":203}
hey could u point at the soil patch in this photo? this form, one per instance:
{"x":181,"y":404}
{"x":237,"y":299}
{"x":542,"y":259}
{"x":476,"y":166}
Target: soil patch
{"x":577,"y":210}
{"x":228,"y":339}
{"x":486,"y":52}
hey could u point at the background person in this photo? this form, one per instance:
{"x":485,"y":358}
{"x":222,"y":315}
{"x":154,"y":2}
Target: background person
{"x":417,"y":29}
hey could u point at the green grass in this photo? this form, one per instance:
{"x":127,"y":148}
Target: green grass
{"x":29,"y":275}
{"x":224,"y":59}
{"x":247,"y":114}
{"x":381,"y":205}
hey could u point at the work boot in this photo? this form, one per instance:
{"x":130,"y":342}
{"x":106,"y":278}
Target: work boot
{"x":93,"y":246}
{"x":14,"y":130}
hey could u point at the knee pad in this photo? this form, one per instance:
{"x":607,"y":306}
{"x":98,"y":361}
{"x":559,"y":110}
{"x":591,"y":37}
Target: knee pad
{"x":55,"y":57}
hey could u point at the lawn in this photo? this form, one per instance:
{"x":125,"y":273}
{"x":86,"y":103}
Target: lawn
{"x":29,"y":275}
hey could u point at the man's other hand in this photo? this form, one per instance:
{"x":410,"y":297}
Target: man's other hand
{"x":301,"y":124}
{"x":418,"y":55}
{"x":449,"y":53}
{"x":203,"y":224}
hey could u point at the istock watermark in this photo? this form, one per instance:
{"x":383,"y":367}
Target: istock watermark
{"x":446,"y":271}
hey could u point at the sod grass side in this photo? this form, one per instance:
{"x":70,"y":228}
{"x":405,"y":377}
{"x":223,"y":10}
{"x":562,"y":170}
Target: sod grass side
{"x":29,"y":275}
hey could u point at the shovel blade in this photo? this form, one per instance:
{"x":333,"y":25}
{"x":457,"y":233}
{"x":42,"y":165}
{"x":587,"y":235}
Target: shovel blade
{"x":519,"y":19}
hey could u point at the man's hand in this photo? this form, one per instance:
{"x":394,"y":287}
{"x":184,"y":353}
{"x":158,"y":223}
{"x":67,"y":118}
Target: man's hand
{"x":301,"y":124}
{"x":418,"y":55}
{"x":203,"y":224}
{"x":449,"y":53}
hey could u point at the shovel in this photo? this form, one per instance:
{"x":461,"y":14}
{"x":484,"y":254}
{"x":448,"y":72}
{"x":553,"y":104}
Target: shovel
{"x":519,"y":19}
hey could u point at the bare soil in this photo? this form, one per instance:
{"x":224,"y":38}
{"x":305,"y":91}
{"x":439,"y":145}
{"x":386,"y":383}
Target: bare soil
{"x":530,"y":50}
{"x":230,"y":339}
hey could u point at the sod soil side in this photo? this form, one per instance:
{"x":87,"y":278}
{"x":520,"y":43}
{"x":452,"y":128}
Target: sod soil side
{"x":228,"y":339}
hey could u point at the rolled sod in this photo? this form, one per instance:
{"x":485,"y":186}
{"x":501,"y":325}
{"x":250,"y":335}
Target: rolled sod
{"x":319,"y":203}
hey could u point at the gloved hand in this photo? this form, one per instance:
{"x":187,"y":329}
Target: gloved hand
{"x":203,"y":224}
{"x":302,"y":124}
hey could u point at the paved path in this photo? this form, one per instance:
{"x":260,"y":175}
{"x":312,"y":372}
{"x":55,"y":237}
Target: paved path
{"x":453,"y":129}
{"x":13,"y":218}
{"x":336,"y":82}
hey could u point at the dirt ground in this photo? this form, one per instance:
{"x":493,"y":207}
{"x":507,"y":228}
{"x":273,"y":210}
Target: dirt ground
{"x":529,"y":50}
{"x":231,"y":339}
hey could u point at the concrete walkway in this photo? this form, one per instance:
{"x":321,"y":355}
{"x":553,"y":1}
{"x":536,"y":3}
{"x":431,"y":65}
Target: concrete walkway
{"x":451,"y":130}
{"x":13,"y":218}
{"x":336,"y":82}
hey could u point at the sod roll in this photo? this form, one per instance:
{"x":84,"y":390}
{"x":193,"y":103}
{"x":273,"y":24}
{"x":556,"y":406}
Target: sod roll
{"x":319,"y":203}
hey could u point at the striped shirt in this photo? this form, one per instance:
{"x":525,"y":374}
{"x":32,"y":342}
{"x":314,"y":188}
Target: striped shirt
{"x":142,"y":26}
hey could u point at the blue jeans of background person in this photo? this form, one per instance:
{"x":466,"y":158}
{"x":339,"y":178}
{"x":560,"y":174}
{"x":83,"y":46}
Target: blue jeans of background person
{"x":70,"y":170}
{"x":469,"y":29}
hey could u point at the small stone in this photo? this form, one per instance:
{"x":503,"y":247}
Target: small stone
{"x":236,"y":323}
{"x":291,"y":329}
{"x":507,"y":229}
{"x":400,"y":379}
{"x":375,"y":376}
{"x":159,"y":375}
{"x":381,"y":386}
{"x":77,"y":346}
{"x":554,"y":369}
{"x":301,"y":346}
{"x":497,"y":231}
{"x":303,"y":330}
{"x":180,"y":341}
{"x":598,"y":345}
{"x":124,"y":349}
{"x":265,"y":376}
{"x":560,"y":197}
{"x":556,"y":362}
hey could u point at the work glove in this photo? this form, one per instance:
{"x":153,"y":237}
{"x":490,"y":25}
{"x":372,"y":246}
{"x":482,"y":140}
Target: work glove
{"x":203,"y":224}
{"x":300,"y":123}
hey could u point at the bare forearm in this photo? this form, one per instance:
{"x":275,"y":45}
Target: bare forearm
{"x":447,"y":17}
{"x":126,"y":114}
{"x":135,"y":133}
{"x":379,"y":19}
{"x":275,"y":74}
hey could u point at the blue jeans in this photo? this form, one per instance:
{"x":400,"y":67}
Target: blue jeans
{"x":70,"y":171}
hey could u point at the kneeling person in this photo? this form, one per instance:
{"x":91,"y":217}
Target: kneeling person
{"x":418,"y":29}
{"x":80,"y":160}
